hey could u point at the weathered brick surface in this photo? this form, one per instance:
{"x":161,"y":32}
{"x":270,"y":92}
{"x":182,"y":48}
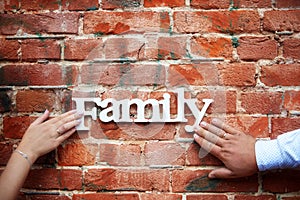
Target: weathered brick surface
{"x":243,"y":54}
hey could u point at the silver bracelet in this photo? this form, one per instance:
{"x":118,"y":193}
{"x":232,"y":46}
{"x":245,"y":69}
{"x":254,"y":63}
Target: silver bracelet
{"x":24,"y":155}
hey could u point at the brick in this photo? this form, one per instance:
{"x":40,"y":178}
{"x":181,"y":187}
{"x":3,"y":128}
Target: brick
{"x":9,"y":49}
{"x":123,"y":179}
{"x":125,"y":22}
{"x":50,"y":178}
{"x":210,"y":4}
{"x":161,"y":153}
{"x":251,"y":4}
{"x":6,"y":149}
{"x":256,"y":197}
{"x":224,"y":101}
{"x":194,"y":158}
{"x":37,"y":5}
{"x":193,"y":74}
{"x":261,"y":102}
{"x":287,"y":4}
{"x":229,"y":22}
{"x":39,"y":23}
{"x":167,"y":48}
{"x":164,"y":3}
{"x":283,"y":125}
{"x":9,"y":5}
{"x":205,"y":197}
{"x":292,"y":100}
{"x":281,"y":75}
{"x":281,"y":182}
{"x":290,"y":198}
{"x":83,"y":49}
{"x":124,"y":48}
{"x":37,"y":74}
{"x":291,"y":48}
{"x":35,"y":101}
{"x":238,"y":74}
{"x":197,"y":181}
{"x":40,"y":49}
{"x":106,"y":196}
{"x":77,"y":154}
{"x":120,"y":154}
{"x":15,"y":127}
{"x":211,"y":47}
{"x":281,"y":20}
{"x":255,"y":48}
{"x":113,"y":4}
{"x":48,"y":197}
{"x":5,"y":100}
{"x":160,"y":196}
{"x":80,"y":4}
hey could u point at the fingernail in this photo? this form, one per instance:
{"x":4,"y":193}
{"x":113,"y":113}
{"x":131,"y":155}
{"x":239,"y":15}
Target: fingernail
{"x":196,"y":136}
{"x":79,"y":121}
{"x":203,"y":124}
{"x":214,"y":120}
{"x":211,"y":176}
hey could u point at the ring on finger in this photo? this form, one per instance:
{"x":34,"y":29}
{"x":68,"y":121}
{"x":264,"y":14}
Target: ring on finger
{"x":224,"y":135}
{"x":58,"y":131}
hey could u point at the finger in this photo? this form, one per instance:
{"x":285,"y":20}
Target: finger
{"x":208,"y":146}
{"x":62,"y":117}
{"x":67,"y":126}
{"x":221,"y":173}
{"x":68,"y":118}
{"x":42,"y":118}
{"x":213,"y":129}
{"x":65,"y":136}
{"x":209,"y":136}
{"x":218,"y":123}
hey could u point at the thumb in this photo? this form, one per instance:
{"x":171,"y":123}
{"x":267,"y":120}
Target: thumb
{"x":221,"y":173}
{"x":42,"y":118}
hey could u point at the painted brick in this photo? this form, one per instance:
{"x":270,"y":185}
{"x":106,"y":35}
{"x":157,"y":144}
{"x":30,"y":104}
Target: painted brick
{"x":113,"y":4}
{"x":237,"y":74}
{"x":125,"y":22}
{"x":120,"y":155}
{"x":80,"y":4}
{"x":161,"y":153}
{"x":39,"y":23}
{"x":281,"y":75}
{"x":251,"y":4}
{"x":287,"y":4}
{"x":279,"y":182}
{"x":197,"y":181}
{"x":292,"y":100}
{"x":49,"y":178}
{"x":291,"y":48}
{"x":39,"y":5}
{"x":35,"y":101}
{"x":193,"y":74}
{"x":211,"y":47}
{"x":162,"y":3}
{"x":210,"y":4}
{"x":77,"y":154}
{"x":106,"y":196}
{"x":261,"y":102}
{"x":126,"y":179}
{"x":8,"y":48}
{"x":281,"y":20}
{"x":83,"y":49}
{"x":37,"y":74}
{"x":255,"y":48}
{"x":228,"y":22}
{"x":283,"y":125}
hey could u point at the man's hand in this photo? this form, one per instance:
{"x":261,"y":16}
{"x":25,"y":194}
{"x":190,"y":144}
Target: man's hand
{"x":234,"y":148}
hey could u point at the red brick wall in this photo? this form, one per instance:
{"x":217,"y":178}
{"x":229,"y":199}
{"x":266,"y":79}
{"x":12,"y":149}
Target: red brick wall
{"x":244,"y":54}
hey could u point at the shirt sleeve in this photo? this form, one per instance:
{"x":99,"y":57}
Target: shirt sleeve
{"x":281,"y":153}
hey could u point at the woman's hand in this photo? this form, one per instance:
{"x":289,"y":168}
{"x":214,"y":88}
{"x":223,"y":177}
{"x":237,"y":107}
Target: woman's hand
{"x":234,"y":148}
{"x":44,"y":136}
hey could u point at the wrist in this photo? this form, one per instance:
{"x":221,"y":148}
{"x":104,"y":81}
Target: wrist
{"x":31,"y":156}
